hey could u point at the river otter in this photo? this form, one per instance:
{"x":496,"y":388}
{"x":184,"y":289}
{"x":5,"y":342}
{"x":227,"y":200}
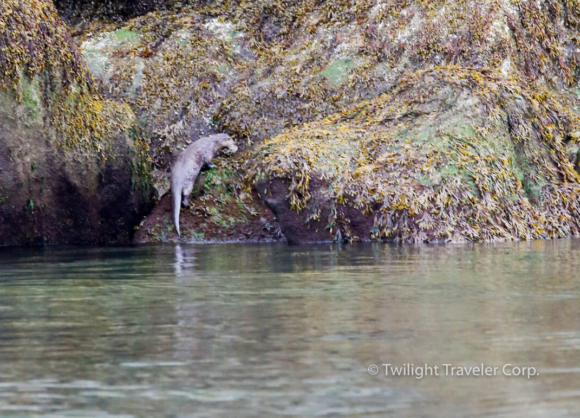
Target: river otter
{"x":188,"y":165}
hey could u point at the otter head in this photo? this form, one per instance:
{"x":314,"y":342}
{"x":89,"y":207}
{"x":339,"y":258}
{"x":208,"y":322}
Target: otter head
{"x":228,"y":145}
{"x":222,"y":142}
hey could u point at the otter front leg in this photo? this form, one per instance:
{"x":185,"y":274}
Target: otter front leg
{"x":187,"y":189}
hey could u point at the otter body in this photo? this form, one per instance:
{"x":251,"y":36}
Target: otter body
{"x":188,"y":165}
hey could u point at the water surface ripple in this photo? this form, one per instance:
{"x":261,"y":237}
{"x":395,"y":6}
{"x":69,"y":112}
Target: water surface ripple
{"x":271,"y":330}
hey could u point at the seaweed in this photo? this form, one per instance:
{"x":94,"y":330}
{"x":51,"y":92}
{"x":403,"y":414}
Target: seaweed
{"x":442,"y":119}
{"x":40,"y":60}
{"x":439,"y":158}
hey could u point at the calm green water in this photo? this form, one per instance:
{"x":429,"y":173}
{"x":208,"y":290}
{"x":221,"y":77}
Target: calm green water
{"x":272,"y":330}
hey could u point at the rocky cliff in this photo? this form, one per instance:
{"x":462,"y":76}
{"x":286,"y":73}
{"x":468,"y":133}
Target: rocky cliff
{"x":72,"y":170}
{"x":406,"y":120}
{"x":369,"y":119}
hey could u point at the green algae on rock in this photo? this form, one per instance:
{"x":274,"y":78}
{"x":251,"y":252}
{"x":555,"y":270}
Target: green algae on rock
{"x":71,"y":167}
{"x":529,"y":42}
{"x":218,"y":213}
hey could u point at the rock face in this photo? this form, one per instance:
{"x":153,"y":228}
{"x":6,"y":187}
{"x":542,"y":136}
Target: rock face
{"x":75,"y":10}
{"x":207,"y":221}
{"x":71,"y":167}
{"x":402,"y":120}
{"x":173,"y":69}
{"x":450,"y":155}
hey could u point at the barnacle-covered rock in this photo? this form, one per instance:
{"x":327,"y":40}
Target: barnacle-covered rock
{"x":71,"y":168}
{"x":450,"y":154}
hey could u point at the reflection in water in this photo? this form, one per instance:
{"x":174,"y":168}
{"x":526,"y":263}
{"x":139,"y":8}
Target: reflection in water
{"x":271,"y":330}
{"x":179,"y":259}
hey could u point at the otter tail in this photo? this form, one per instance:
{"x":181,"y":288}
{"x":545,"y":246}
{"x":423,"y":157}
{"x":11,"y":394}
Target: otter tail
{"x":176,"y":208}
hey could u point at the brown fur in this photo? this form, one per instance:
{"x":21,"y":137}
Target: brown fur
{"x":188,"y":165}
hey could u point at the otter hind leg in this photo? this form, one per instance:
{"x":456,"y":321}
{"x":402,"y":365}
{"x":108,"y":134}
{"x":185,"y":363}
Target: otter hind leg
{"x":185,"y":200}
{"x":187,"y":189}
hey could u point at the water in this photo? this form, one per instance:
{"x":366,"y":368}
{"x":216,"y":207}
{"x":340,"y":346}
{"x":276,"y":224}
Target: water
{"x":272,"y":330}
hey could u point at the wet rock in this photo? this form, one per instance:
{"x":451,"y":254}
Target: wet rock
{"x":74,"y":11}
{"x":311,"y":225}
{"x":210,"y":220}
{"x":72,"y":170}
